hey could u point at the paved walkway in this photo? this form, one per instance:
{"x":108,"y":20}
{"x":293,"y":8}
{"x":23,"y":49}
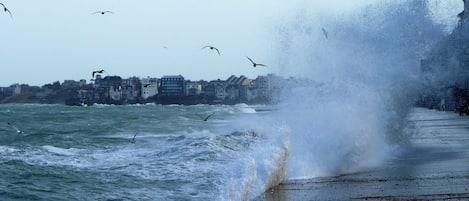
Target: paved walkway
{"x":434,"y":167}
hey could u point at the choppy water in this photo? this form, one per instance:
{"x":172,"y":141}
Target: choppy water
{"x":83,"y":153}
{"x":353,"y":117}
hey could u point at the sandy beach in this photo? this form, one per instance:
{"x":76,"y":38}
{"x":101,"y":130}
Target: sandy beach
{"x":435,"y":166}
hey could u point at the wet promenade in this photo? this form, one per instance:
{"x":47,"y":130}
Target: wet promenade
{"x":435,"y":166}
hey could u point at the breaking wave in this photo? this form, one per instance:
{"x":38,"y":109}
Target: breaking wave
{"x":355,"y":85}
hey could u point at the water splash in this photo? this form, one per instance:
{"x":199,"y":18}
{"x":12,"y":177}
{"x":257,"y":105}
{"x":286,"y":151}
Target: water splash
{"x":366,"y":76}
{"x":346,"y":109}
{"x":263,"y":166}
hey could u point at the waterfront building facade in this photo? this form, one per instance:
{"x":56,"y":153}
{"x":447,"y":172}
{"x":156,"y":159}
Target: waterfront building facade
{"x":149,"y":87}
{"x":193,"y":88}
{"x":172,"y":85}
{"x":169,"y":89}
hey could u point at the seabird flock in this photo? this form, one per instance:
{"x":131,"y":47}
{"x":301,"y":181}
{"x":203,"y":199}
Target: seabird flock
{"x":94,"y":73}
{"x":111,"y":12}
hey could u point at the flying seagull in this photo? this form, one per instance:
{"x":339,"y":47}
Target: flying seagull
{"x":133,"y":139}
{"x":325,"y":33}
{"x":255,"y":64}
{"x":207,"y":117}
{"x":97,"y":71}
{"x":102,"y":12}
{"x":6,"y":10}
{"x":212,"y":48}
{"x":17,"y":130}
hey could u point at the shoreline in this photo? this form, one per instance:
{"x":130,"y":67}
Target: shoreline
{"x":433,"y":167}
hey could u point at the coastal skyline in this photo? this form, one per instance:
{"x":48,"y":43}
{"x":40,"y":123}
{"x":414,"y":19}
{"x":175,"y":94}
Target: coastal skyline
{"x":51,"y":41}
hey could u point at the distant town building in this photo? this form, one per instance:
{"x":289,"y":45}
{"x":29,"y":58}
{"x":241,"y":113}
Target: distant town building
{"x":108,"y":89}
{"x":5,"y":92}
{"x":16,"y":89}
{"x":97,"y":80}
{"x":115,"y":94}
{"x":111,"y":81}
{"x":237,"y":88}
{"x":172,"y":85}
{"x":149,"y":87}
{"x":67,"y":84}
{"x":131,"y":90}
{"x":217,"y":89}
{"x":193,"y":88}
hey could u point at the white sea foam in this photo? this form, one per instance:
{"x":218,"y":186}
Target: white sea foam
{"x":248,"y":110}
{"x":62,"y":151}
{"x":240,"y":108}
{"x":6,"y":150}
{"x":99,"y":105}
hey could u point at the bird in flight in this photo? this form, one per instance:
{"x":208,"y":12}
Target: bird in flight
{"x":133,"y":139}
{"x":6,"y":10}
{"x":97,"y":71}
{"x":212,"y":48}
{"x":102,"y":12}
{"x":207,"y":117}
{"x":325,"y":33}
{"x":254,"y":64}
{"x":17,"y":130}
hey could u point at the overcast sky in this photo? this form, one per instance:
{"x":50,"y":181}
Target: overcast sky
{"x":56,"y":40}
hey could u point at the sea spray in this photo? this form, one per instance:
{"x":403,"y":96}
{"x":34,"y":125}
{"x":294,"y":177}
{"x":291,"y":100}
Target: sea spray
{"x":345,"y":109}
{"x":335,"y":129}
{"x":361,"y":80}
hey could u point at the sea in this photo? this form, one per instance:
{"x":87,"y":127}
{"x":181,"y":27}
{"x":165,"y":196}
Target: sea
{"x":85,"y":153}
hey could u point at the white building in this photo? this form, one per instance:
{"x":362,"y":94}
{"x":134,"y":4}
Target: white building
{"x":193,"y":88}
{"x":149,"y":87}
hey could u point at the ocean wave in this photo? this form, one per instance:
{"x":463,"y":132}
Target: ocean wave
{"x":62,"y":151}
{"x":361,"y":82}
{"x":262,"y":166}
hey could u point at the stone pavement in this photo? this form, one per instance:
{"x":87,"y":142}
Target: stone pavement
{"x":435,"y":166}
